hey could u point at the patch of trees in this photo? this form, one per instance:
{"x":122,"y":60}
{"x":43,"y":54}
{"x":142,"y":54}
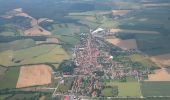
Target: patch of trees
{"x":67,"y":67}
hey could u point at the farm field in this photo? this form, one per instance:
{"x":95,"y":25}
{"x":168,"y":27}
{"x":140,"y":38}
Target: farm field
{"x":10,"y":77}
{"x":159,"y":75}
{"x":124,"y":44}
{"x":49,"y":54}
{"x":162,"y":60}
{"x":34,"y":75}
{"x":155,"y":88}
{"x":133,"y":88}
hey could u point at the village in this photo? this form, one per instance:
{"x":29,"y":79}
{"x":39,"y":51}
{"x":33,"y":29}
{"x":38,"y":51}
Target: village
{"x":95,"y":65}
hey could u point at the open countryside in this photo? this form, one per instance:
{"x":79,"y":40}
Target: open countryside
{"x":84,"y":49}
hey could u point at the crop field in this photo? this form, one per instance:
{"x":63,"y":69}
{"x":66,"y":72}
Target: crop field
{"x":162,"y":60}
{"x":10,"y":77}
{"x":133,"y":88}
{"x":159,"y":75}
{"x":39,"y":54}
{"x":124,"y":44}
{"x":34,"y":75}
{"x":155,"y":88}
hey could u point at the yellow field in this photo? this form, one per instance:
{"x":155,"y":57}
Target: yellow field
{"x":34,"y":75}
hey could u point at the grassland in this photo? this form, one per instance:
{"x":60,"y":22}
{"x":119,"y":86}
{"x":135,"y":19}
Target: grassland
{"x":39,"y":54}
{"x":155,"y":89}
{"x":133,"y":88}
{"x":9,"y":79}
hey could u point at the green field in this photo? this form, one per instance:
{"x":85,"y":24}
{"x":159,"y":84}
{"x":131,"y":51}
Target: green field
{"x":17,"y":44}
{"x":107,"y":92}
{"x":125,"y":89}
{"x":39,"y":54}
{"x":155,"y":89}
{"x":10,"y":77}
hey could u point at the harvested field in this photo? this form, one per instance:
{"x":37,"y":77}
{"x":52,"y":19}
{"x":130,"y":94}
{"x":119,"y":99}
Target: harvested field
{"x":34,"y":75}
{"x":162,"y":60}
{"x":133,"y":31}
{"x":160,"y":75}
{"x":124,"y":44}
{"x":120,"y":12}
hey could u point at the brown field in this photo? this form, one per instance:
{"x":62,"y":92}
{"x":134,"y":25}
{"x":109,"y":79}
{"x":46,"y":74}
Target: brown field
{"x":120,"y":12}
{"x":124,"y":44}
{"x":133,"y":31}
{"x":34,"y":75}
{"x":160,"y":75}
{"x":162,"y":60}
{"x":156,"y":5}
